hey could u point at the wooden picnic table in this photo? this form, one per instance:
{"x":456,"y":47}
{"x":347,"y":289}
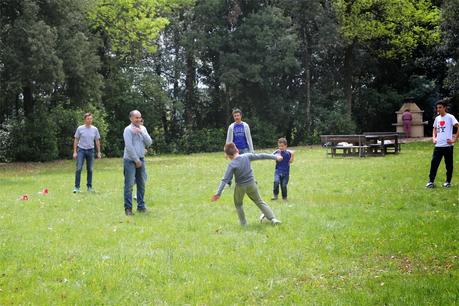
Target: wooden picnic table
{"x":382,"y":143}
{"x":344,"y":145}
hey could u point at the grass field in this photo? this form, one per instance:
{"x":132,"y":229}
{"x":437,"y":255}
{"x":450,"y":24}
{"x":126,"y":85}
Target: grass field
{"x":355,"y":232}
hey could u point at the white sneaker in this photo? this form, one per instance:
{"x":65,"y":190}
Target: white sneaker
{"x":274,"y":221}
{"x":446,"y":184}
{"x":430,"y":185}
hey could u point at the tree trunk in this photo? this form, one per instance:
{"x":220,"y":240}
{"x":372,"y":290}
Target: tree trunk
{"x":348,"y":63}
{"x":189,"y":90}
{"x":28,"y":101}
{"x":307,"y":88}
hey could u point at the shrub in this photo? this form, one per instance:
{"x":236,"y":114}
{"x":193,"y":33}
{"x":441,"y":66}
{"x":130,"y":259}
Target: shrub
{"x":7,"y":140}
{"x":36,"y":140}
{"x":67,"y":121}
{"x":204,"y":140}
{"x":264,"y":134}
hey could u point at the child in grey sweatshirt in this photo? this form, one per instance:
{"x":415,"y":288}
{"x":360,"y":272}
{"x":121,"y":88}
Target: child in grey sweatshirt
{"x":245,"y":182}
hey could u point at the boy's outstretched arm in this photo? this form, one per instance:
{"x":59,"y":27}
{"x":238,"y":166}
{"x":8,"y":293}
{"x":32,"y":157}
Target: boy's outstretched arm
{"x":264,"y":156}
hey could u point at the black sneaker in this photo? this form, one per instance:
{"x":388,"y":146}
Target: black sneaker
{"x":430,"y":185}
{"x":142,"y":210}
{"x":446,"y":184}
{"x":128,"y":212}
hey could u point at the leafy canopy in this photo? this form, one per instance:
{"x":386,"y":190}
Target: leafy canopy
{"x":398,"y":25}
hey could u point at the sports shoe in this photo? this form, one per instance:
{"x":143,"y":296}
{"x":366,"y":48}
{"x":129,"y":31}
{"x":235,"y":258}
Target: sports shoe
{"x":274,"y":221}
{"x":446,"y":184}
{"x":128,"y":212}
{"x":76,"y":190}
{"x":274,"y":198}
{"x":142,"y":210}
{"x":430,"y":185}
{"x":285,"y":199}
{"x":89,"y":189}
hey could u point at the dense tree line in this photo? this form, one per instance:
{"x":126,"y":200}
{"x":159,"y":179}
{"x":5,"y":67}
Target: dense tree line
{"x":297,"y":68}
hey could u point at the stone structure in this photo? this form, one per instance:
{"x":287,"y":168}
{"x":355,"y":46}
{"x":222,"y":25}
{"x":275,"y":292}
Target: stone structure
{"x":417,"y":125}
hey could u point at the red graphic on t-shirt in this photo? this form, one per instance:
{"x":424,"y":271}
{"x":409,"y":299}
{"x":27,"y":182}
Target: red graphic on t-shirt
{"x":442,"y":123}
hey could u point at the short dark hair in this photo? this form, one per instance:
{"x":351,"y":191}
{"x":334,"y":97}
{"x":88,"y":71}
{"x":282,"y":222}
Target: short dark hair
{"x":443,"y":102}
{"x":230,"y":149}
{"x":236,"y":110}
{"x":86,"y":115}
{"x":282,"y":140}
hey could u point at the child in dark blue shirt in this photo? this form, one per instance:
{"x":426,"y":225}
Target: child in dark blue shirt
{"x":282,"y":172}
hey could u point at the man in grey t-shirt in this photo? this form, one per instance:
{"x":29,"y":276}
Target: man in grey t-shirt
{"x":83,"y":149}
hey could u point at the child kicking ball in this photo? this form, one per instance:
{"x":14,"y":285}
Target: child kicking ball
{"x":245,"y":182}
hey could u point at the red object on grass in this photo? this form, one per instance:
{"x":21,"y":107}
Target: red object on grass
{"x":24,"y":197}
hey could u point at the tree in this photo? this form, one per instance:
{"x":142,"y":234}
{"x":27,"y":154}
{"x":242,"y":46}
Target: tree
{"x":387,"y":29}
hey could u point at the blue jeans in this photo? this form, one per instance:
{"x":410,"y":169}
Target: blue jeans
{"x":133,"y":175}
{"x":282,"y":180}
{"x":83,"y":154}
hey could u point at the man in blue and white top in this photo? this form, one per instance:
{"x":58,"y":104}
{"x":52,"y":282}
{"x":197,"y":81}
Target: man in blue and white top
{"x":136,"y":138}
{"x":443,"y":138}
{"x":239,"y":134}
{"x":83,"y":149}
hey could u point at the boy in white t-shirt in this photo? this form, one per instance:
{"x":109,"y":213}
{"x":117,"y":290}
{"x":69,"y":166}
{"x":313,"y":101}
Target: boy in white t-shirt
{"x":443,"y":139}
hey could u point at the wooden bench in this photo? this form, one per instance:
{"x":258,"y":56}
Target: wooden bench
{"x":334,"y":145}
{"x":382,"y":143}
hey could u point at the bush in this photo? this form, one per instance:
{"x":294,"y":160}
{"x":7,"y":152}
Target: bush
{"x":264,"y":134}
{"x":332,"y":122}
{"x":37,"y":139}
{"x":205,"y":140}
{"x":67,"y":121}
{"x":8,"y":130}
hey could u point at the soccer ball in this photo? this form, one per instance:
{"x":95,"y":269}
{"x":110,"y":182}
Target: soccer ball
{"x":263,"y":219}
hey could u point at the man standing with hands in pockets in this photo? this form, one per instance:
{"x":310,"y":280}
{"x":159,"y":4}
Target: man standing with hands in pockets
{"x":136,"y":138}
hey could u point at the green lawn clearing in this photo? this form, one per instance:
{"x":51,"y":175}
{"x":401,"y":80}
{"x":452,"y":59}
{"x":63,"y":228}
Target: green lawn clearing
{"x":356,"y":231}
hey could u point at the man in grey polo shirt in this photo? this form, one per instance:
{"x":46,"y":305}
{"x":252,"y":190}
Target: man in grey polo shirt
{"x":136,"y":138}
{"x":83,"y":149}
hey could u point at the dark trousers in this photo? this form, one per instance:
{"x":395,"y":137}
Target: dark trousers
{"x":438,"y":154}
{"x":282,"y":180}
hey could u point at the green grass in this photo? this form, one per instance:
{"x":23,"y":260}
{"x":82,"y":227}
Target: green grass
{"x":355,"y":232}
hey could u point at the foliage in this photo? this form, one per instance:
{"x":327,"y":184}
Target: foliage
{"x":333,"y":121}
{"x":36,"y":140}
{"x":205,"y":140}
{"x":290,"y":65}
{"x":264,"y":134}
{"x":131,"y":26}
{"x":8,"y":141}
{"x":398,"y":26}
{"x":67,"y":121}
